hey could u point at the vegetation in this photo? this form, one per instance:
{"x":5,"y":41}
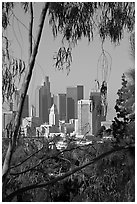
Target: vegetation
{"x":36,"y":170}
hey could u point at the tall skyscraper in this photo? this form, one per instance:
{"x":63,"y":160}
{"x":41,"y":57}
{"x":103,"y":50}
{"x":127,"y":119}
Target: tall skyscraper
{"x":61,"y":106}
{"x":72,"y":96}
{"x":97,"y":111}
{"x":84,"y":117}
{"x":80,"y":95}
{"x":70,"y":102}
{"x":53,"y":116}
{"x":37,"y":99}
{"x":55,"y":99}
{"x":44,"y":101}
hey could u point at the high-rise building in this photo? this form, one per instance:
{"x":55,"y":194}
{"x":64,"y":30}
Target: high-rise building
{"x":55,"y":99}
{"x":44,"y":101}
{"x":53,"y":116}
{"x":37,"y":99}
{"x":72,"y":96}
{"x":80,"y":95}
{"x":97,"y":111}
{"x":61,"y":106}
{"x":84,"y":117}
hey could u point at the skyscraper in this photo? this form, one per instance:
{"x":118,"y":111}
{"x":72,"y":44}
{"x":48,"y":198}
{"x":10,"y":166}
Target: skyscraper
{"x":84,"y":117}
{"x":61,"y":106}
{"x":53,"y":116}
{"x":97,"y":111}
{"x":37,"y":99}
{"x":44,"y":101}
{"x":80,"y":95}
{"x":55,"y":99}
{"x":72,"y":96}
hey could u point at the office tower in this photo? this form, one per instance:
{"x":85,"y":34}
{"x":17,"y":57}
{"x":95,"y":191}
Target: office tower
{"x":51,"y":100}
{"x":55,"y":99}
{"x":84,"y":117}
{"x":72,"y":96}
{"x":80,"y":95}
{"x":44,"y":101}
{"x":70,"y":103}
{"x":61,"y":106}
{"x":53,"y":116}
{"x":97,"y":111}
{"x":37,"y":99}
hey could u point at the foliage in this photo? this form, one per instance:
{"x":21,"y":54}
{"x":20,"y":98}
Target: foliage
{"x":99,"y":182}
{"x":75,"y":20}
{"x":12,"y":68}
{"x":124,"y":124}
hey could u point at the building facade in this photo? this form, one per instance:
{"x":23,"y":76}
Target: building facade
{"x":97,"y":111}
{"x":44,"y":101}
{"x":61,"y":106}
{"x":72,"y":96}
{"x":53,"y":116}
{"x":37,"y":99}
{"x":84,"y":117}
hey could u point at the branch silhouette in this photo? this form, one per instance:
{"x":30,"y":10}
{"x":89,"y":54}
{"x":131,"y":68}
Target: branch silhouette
{"x":59,"y":178}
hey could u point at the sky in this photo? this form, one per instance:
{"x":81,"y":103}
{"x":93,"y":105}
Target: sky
{"x":83,"y":70}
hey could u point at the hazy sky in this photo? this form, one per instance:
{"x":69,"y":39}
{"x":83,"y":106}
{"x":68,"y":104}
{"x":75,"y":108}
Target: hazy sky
{"x":83,"y":70}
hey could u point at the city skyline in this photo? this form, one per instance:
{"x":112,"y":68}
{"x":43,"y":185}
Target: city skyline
{"x":83,"y":69}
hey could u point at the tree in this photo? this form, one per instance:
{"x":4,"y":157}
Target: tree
{"x":125,"y":120}
{"x":51,"y":166}
{"x":73,"y":21}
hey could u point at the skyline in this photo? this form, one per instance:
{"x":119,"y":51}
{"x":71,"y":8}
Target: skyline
{"x":83,"y":70}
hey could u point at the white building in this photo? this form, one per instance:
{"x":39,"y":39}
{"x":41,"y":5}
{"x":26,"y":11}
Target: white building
{"x":53,"y":116}
{"x":84,"y":117}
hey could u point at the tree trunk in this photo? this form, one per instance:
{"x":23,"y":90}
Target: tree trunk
{"x":24,"y":88}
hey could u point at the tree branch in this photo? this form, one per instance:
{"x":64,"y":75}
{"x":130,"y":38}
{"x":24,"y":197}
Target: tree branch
{"x":24,"y":89}
{"x":12,"y":167}
{"x":30,"y":29}
{"x":58,"y":178}
{"x":44,"y":159}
